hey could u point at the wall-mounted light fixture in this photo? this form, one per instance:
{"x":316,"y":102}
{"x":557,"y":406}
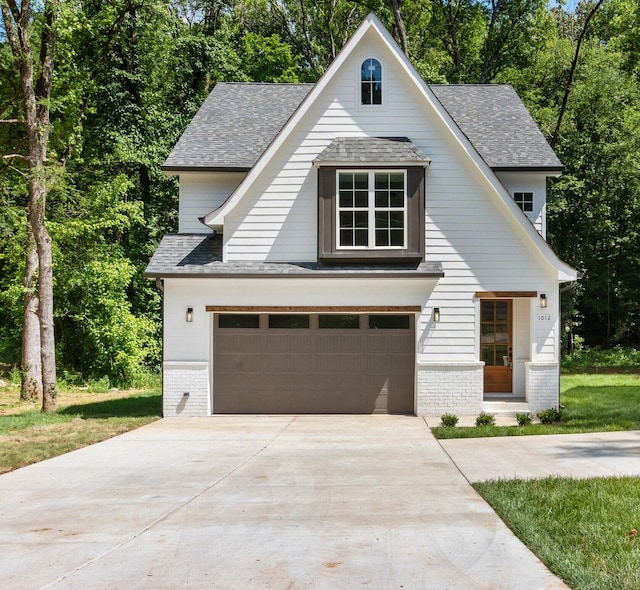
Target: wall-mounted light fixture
{"x":189,"y":316}
{"x":436,"y":314}
{"x":543,"y":301}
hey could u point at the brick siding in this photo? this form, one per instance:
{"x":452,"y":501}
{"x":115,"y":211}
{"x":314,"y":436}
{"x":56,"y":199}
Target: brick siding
{"x":185,"y":377}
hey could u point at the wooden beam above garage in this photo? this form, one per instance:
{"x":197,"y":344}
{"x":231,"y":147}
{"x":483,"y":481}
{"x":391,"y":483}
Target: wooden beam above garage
{"x":505,"y":294}
{"x":313,"y":309}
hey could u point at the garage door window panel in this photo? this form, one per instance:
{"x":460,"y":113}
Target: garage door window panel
{"x":339,"y":322}
{"x":239,"y":321}
{"x":389,"y":322}
{"x":289,"y":321}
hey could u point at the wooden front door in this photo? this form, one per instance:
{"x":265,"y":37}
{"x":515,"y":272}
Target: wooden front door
{"x":496,"y":344}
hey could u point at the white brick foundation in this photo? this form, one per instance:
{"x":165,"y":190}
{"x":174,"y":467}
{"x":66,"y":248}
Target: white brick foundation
{"x":179,"y":378}
{"x":456,"y":388}
{"x":542,"y":386}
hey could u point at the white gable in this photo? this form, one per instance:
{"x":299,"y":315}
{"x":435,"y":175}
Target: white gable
{"x":273,"y":213}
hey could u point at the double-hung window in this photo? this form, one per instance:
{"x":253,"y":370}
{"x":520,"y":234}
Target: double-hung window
{"x":371,"y":209}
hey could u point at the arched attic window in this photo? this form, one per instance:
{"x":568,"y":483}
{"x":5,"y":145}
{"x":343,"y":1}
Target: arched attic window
{"x":371,"y":81}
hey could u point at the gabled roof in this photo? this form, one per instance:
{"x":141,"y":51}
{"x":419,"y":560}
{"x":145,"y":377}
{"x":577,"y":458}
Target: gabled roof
{"x":200,"y":255}
{"x":239,"y":120}
{"x":235,"y":125}
{"x":498,"y":125}
{"x":354,"y":150}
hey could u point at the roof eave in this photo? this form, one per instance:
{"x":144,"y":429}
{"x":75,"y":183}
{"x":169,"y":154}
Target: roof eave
{"x":548,"y":170}
{"x":398,"y":274}
{"x":179,"y":169}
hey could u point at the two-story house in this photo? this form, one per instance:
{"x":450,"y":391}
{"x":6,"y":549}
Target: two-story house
{"x":368,"y":243}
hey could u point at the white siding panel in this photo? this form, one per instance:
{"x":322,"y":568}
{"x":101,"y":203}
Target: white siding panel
{"x":201,"y":193}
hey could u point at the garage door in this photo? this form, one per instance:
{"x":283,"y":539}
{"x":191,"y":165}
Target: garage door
{"x":313,"y":363}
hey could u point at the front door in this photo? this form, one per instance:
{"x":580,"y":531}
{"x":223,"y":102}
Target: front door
{"x":496,"y":345}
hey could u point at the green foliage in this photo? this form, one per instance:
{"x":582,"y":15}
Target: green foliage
{"x":449,"y":420}
{"x":524,"y":419}
{"x":485,"y":419}
{"x":550,"y":415}
{"x":595,"y":357}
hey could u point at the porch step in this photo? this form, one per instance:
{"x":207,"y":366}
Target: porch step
{"x":502,"y":408}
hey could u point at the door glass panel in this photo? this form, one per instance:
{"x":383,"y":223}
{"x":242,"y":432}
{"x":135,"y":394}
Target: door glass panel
{"x":487,"y":311}
{"x":502,"y":310}
{"x":488,"y":355}
{"x":502,"y":333}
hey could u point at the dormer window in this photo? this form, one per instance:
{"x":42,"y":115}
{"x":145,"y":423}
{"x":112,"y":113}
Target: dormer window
{"x":371,"y":82}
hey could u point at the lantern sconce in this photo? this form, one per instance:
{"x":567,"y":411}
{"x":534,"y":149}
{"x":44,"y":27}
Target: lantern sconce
{"x":189,"y":316}
{"x":436,"y":314}
{"x":543,"y":301}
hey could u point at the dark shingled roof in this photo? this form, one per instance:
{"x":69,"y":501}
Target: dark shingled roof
{"x":372,"y":149}
{"x":198,"y":255}
{"x":235,"y":125}
{"x":238,"y":121}
{"x":498,"y":125}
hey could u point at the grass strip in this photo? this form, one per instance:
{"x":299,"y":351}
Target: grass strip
{"x":34,"y":436}
{"x":583,"y":530}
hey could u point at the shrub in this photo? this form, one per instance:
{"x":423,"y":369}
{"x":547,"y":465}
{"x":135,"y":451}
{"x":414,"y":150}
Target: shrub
{"x":523,"y":419}
{"x":550,"y":415}
{"x":485,"y":419}
{"x":449,"y":420}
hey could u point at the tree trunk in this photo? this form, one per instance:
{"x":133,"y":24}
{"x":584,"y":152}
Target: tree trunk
{"x":37,"y":198}
{"x":402,"y":31}
{"x":31,"y":366}
{"x":36,"y":94}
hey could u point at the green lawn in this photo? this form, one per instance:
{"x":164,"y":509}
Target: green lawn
{"x":583,"y":530}
{"x":593,"y":403}
{"x":31,"y":436}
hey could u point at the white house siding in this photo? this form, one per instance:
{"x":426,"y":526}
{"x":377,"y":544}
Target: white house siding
{"x":469,"y":229}
{"x":535,"y":183}
{"x":201,"y":193}
{"x":187,"y":355}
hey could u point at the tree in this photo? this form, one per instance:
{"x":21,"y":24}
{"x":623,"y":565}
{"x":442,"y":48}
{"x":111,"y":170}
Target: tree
{"x":36,"y":77}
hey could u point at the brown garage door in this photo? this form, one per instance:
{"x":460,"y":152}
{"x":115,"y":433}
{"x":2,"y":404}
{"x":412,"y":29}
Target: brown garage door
{"x":313,"y":363}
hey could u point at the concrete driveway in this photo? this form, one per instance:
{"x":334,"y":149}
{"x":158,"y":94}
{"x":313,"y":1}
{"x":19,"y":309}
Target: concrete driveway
{"x":258,"y":502}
